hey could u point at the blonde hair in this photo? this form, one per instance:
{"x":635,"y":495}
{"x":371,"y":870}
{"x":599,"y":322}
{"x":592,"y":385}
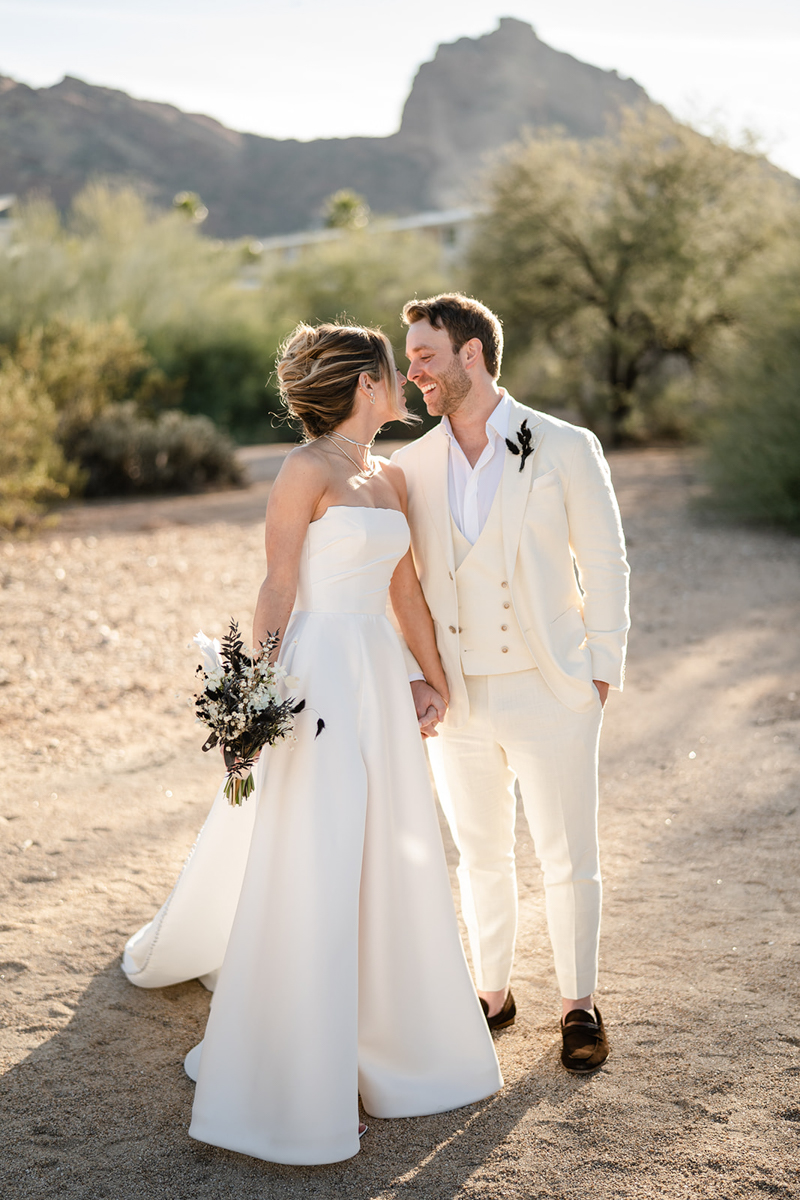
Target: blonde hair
{"x":319,"y":368}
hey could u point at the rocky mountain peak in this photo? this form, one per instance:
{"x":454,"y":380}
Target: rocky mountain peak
{"x":475,"y":96}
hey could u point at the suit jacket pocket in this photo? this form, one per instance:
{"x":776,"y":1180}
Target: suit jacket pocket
{"x":568,"y":639}
{"x":549,"y":479}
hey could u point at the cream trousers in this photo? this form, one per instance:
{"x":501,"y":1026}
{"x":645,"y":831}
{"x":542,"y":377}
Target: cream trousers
{"x":517,"y":729}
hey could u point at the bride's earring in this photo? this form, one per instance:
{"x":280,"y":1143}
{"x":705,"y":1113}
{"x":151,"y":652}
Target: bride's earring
{"x":371,"y":397}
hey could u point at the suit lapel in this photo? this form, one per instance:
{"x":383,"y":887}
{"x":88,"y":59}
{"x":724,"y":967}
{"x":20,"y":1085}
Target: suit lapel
{"x":434,"y":475}
{"x":516,"y":484}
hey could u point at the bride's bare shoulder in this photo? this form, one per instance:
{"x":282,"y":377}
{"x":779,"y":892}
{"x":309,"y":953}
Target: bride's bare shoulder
{"x":306,"y":467}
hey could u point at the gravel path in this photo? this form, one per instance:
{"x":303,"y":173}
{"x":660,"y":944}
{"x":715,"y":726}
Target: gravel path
{"x":105,"y":788}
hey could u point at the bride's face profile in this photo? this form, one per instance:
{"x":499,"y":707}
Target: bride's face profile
{"x":390,"y":400}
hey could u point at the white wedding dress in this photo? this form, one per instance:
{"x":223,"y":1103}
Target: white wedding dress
{"x":325,"y":899}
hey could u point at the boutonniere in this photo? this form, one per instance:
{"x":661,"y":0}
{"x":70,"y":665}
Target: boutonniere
{"x":525,"y":439}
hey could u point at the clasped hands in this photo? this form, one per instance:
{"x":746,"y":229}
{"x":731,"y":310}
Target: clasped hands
{"x":430,"y":706}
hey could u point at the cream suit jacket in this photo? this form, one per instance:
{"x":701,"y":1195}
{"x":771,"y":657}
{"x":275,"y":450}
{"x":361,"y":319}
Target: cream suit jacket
{"x":564,"y":554}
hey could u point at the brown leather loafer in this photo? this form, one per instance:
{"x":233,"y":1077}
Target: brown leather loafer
{"x":507,"y":1015}
{"x":585,"y":1045}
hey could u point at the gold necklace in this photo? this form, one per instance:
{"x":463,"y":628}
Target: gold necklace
{"x":363,"y":469}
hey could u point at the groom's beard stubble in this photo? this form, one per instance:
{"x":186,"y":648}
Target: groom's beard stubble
{"x":452,"y":388}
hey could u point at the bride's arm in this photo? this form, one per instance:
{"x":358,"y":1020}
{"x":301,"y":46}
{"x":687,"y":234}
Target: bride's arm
{"x":415,"y":621}
{"x":412,"y":612}
{"x":296,"y":496}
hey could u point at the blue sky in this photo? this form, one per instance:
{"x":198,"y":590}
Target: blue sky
{"x":318,"y":68}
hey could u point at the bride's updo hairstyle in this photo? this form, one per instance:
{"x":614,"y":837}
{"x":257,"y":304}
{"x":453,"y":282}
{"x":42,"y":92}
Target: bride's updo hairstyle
{"x":318,"y":372}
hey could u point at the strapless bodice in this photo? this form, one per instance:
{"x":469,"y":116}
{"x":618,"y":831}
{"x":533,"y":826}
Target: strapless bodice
{"x":348,"y":560}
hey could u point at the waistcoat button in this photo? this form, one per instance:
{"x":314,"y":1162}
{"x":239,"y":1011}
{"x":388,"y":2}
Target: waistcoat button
{"x":452,"y":628}
{"x":506,"y":604}
{"x":504,"y":583}
{"x":504,"y":649}
{"x":504,"y":628}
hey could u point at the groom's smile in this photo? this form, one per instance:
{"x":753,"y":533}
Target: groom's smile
{"x":436,"y":368}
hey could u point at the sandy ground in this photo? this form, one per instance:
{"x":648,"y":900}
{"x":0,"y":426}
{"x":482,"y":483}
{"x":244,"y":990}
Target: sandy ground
{"x":105,"y":787}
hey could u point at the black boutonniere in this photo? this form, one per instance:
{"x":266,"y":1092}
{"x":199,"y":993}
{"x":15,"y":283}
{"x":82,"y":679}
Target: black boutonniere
{"x":525,"y":439}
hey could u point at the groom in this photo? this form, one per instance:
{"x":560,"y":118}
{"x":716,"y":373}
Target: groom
{"x":518,"y":545}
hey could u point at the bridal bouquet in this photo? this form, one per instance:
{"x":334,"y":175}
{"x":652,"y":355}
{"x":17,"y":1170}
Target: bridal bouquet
{"x":241,"y":704}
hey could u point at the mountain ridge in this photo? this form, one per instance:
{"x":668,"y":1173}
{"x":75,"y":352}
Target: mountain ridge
{"x":472,"y":98}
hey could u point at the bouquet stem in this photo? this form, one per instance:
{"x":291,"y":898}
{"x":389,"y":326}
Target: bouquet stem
{"x":237,"y":789}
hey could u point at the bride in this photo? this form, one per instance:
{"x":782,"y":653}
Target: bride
{"x":321,"y":911}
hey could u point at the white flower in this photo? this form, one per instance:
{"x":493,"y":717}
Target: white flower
{"x":214,"y":679}
{"x":210,"y":650}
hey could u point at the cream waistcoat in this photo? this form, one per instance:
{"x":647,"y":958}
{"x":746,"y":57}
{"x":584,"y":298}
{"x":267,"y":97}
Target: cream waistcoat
{"x":490,"y":639}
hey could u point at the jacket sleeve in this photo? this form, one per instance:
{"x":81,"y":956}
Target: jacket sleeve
{"x":598,"y":545}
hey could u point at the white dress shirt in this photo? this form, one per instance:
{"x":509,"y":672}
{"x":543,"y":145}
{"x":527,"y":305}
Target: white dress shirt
{"x":471,"y":490}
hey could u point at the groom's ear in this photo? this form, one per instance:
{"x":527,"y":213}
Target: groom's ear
{"x":472,"y":353}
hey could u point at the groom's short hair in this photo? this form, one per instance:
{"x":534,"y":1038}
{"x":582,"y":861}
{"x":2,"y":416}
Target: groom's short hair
{"x":463,"y":318}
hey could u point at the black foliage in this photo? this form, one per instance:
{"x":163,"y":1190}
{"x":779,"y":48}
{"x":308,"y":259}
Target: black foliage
{"x":320,"y":727}
{"x":525,"y":439}
{"x":234,"y":655}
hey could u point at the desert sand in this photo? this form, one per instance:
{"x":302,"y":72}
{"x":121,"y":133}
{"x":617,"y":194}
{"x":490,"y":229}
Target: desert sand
{"x":104,"y":788}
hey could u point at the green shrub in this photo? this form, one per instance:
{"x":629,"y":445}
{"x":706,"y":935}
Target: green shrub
{"x":753,"y":436}
{"x":123,"y":452}
{"x":616,"y":265}
{"x":33,"y":469}
{"x":84,"y":366}
{"x":119,"y":301}
{"x":227,"y":375}
{"x":169,"y":296}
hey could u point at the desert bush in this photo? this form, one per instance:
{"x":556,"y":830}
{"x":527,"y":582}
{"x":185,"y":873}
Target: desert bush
{"x":227,"y":375}
{"x":113,"y":260}
{"x":113,"y":256}
{"x":616,"y":264}
{"x":33,"y":469}
{"x":185,"y":299}
{"x":123,"y":451}
{"x":753,"y":435}
{"x":84,"y":366}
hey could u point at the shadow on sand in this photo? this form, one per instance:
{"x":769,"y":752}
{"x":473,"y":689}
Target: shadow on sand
{"x":102,"y":1110}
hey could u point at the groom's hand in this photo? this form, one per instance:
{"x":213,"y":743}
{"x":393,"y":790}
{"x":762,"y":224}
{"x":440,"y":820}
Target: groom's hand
{"x":429,"y":705}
